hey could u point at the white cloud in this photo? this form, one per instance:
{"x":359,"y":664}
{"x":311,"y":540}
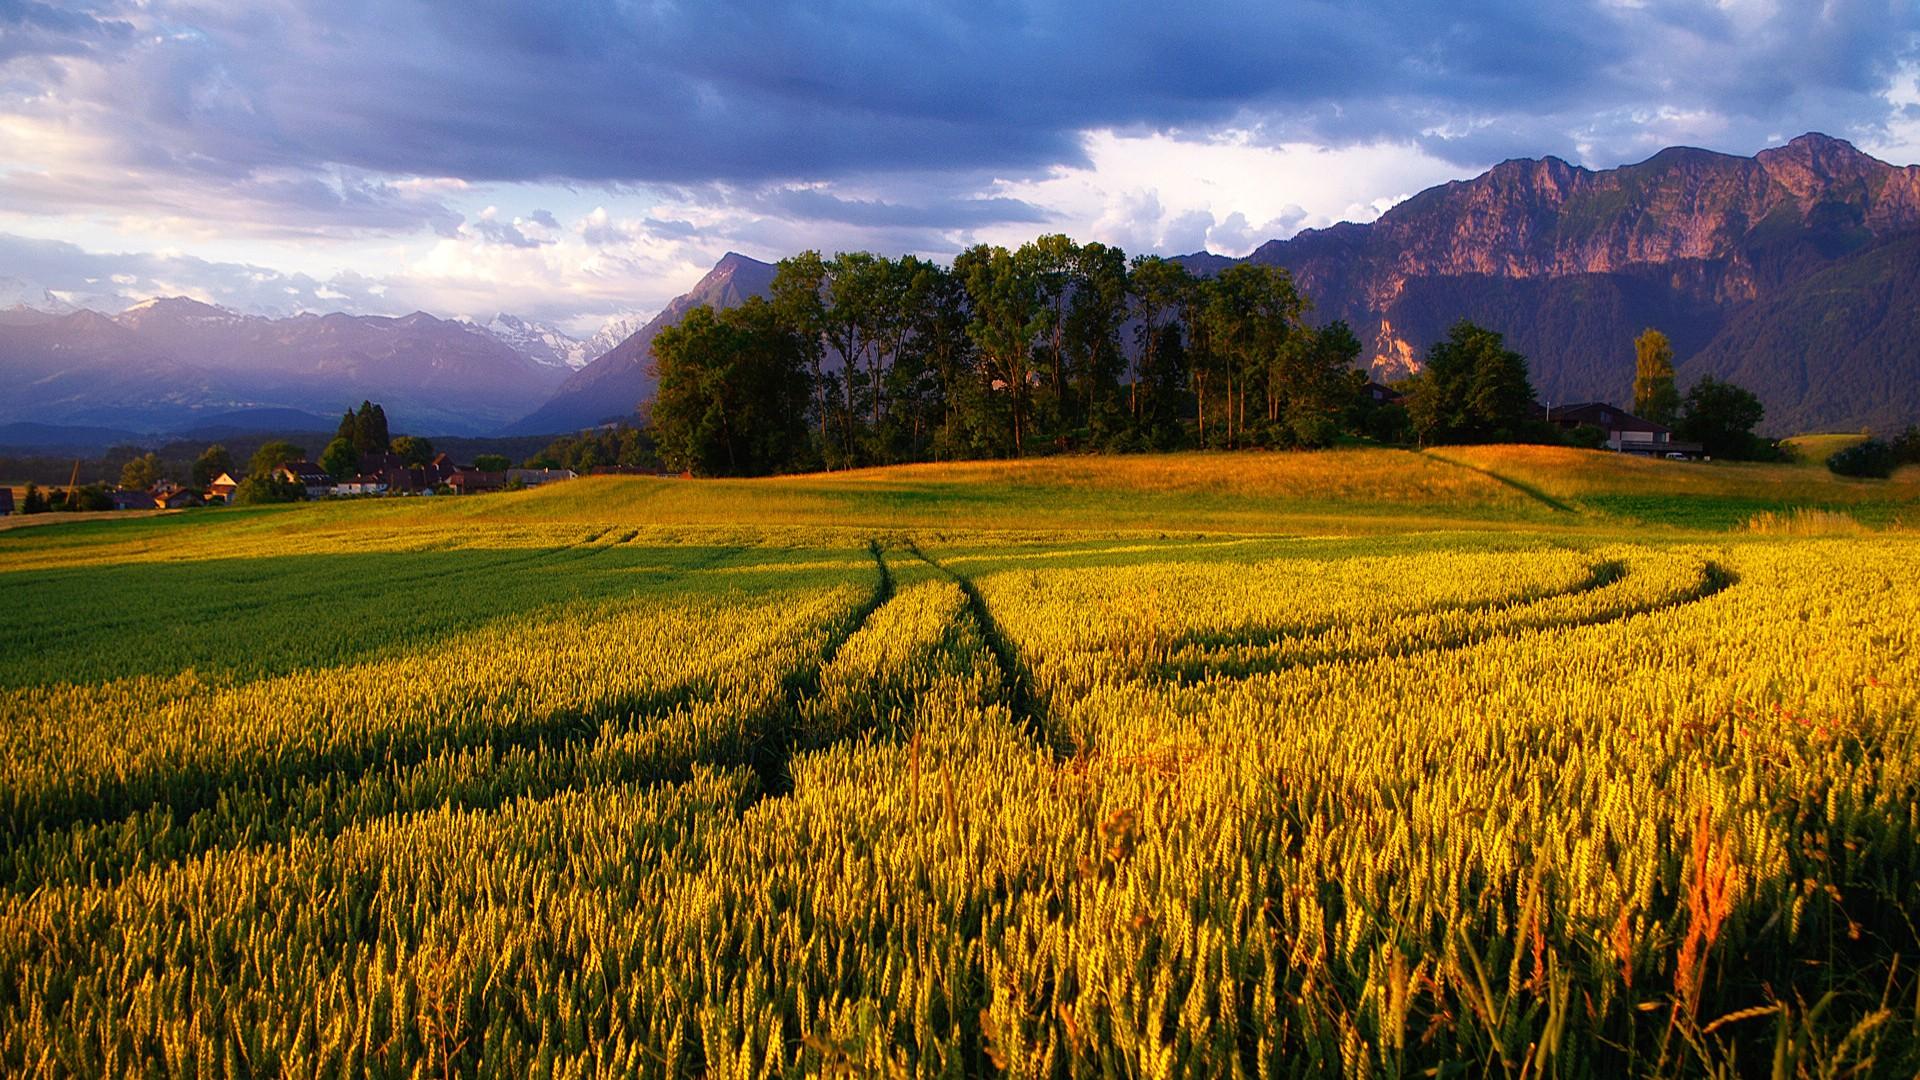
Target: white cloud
{"x":1228,"y":193}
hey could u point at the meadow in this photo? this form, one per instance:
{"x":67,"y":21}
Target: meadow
{"x":1503,"y":760}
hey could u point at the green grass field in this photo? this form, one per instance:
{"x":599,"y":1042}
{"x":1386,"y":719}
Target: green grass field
{"x":1497,"y":760}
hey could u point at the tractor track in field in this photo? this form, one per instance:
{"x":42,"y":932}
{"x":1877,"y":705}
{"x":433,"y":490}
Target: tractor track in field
{"x":773,"y":760}
{"x":1526,"y":489}
{"x":1714,"y":579}
{"x":186,"y":790}
{"x":1028,"y":708}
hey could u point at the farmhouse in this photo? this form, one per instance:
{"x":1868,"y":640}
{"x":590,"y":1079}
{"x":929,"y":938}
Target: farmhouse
{"x":175,"y":498}
{"x":1625,"y":433}
{"x":536,"y":477}
{"x":364,"y":484}
{"x":134,"y":500}
{"x":222,"y":488}
{"x":475,"y":481}
{"x":309,"y":476}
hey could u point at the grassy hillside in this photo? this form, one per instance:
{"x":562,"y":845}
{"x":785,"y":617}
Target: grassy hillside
{"x":1813,"y":451}
{"x":1336,"y":492}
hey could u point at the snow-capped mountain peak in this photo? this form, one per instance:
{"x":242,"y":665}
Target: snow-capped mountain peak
{"x":551,"y":346}
{"x":611,"y":333}
{"x":545,"y":345}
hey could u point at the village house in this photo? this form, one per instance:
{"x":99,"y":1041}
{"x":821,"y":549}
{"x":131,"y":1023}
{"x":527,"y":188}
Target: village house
{"x":312,"y":477}
{"x":475,"y":481}
{"x":222,"y":488}
{"x":364,"y":484}
{"x":134,"y":500}
{"x":1623,"y":432}
{"x":176,"y":498}
{"x":1381,"y":393}
{"x":536,"y":477}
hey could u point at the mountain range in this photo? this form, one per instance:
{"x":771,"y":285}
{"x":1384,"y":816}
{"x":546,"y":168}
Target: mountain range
{"x":1795,"y":272}
{"x":544,"y":343}
{"x":175,"y":364}
{"x":1792,"y":272}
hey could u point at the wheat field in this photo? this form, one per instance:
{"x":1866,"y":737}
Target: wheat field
{"x":492,"y":788}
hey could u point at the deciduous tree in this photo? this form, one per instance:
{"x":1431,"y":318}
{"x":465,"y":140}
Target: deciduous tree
{"x":1654,"y":395}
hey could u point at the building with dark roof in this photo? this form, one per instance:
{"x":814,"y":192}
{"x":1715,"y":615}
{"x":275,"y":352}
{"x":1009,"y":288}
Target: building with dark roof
{"x":317,"y":482}
{"x":1624,"y":432}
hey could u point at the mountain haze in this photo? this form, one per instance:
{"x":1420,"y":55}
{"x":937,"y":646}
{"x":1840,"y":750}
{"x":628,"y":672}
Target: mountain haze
{"x":164,"y":364}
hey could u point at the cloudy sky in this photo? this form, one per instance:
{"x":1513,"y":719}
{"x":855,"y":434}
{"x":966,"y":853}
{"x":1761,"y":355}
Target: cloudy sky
{"x":574,"y":161}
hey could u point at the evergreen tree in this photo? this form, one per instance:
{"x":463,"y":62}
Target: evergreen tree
{"x":370,"y":430}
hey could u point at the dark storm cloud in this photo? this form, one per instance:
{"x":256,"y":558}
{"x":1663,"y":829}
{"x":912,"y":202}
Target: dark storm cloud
{"x":812,"y":204}
{"x":615,"y":90}
{"x":299,"y":116}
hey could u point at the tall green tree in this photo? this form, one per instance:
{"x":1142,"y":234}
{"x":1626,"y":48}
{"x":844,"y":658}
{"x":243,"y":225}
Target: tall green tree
{"x":1471,"y":389}
{"x":339,"y":459}
{"x":1254,"y":314}
{"x":732,"y":392}
{"x":1051,"y":263}
{"x":142,"y":472}
{"x":1159,"y":290}
{"x":1008,"y":315}
{"x":273,"y":455}
{"x":799,"y":298}
{"x":945,"y":349}
{"x":1095,"y":360}
{"x":1314,"y":387}
{"x":854,"y":285}
{"x":1721,"y":416}
{"x":1654,"y":395}
{"x":370,"y":434}
{"x":212,"y":461}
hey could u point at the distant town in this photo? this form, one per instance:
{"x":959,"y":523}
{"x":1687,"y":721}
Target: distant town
{"x":361,"y":461}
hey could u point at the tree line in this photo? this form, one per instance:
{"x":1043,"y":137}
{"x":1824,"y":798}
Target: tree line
{"x":1057,"y":346}
{"x":859,"y":359}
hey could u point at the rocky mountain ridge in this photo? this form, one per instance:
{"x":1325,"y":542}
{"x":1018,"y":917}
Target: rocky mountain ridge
{"x":1572,"y":263}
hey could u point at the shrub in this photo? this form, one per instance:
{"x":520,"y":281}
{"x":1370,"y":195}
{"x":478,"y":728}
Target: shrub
{"x":262,"y":488}
{"x":1871,"y":458}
